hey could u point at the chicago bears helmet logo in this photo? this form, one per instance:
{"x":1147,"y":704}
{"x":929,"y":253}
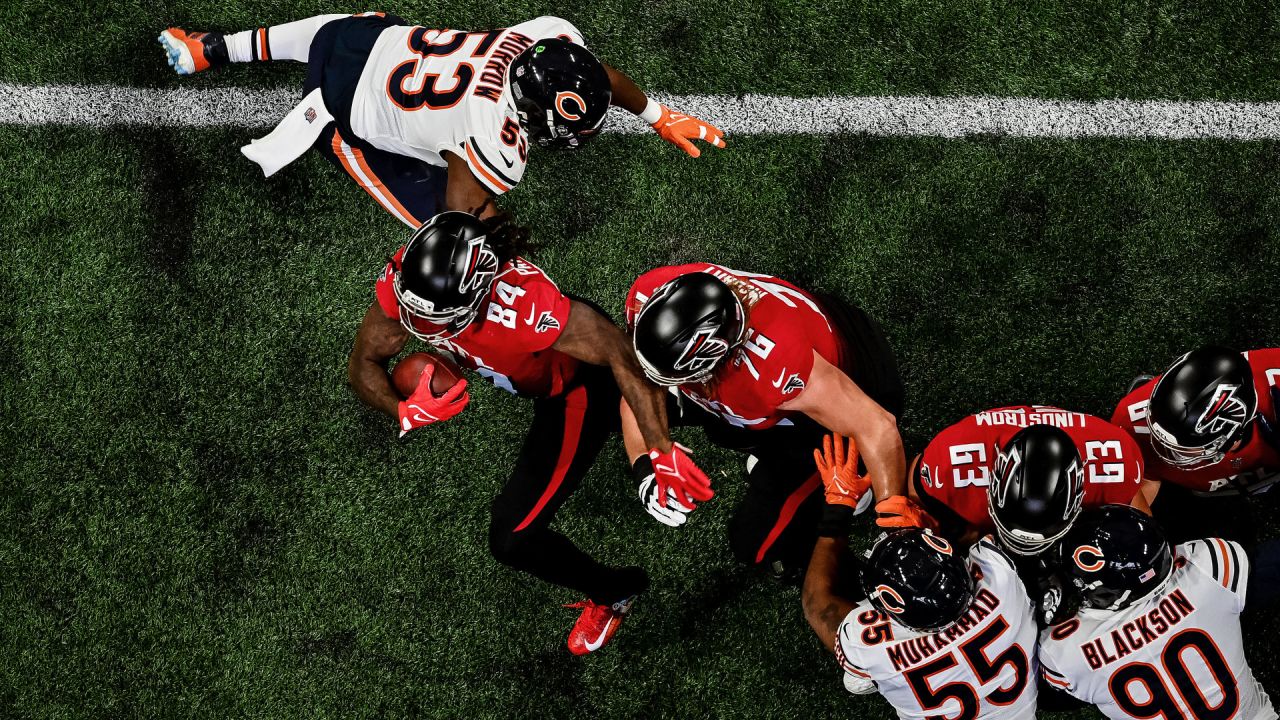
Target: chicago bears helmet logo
{"x":1225,"y":412}
{"x":563,"y":98}
{"x":702,"y":351}
{"x":1089,"y":558}
{"x":936,"y":543}
{"x":889,"y":599}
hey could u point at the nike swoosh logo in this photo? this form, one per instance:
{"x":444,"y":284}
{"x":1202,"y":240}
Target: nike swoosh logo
{"x":505,"y":160}
{"x":593,"y":646}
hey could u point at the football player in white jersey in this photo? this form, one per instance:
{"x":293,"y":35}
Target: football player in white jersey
{"x":424,"y":119}
{"x":1158,"y":630}
{"x":938,"y":635}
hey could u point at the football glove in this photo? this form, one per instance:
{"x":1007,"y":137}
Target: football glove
{"x":673,"y":471}
{"x":901,"y":511}
{"x":680,"y":130}
{"x":839,"y":472}
{"x":424,"y":408}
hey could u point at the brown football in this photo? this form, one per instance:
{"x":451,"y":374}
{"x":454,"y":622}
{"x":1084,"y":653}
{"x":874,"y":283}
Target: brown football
{"x":406,"y":372}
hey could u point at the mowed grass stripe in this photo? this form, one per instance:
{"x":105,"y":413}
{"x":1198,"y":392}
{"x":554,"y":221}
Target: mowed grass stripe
{"x":919,"y":116}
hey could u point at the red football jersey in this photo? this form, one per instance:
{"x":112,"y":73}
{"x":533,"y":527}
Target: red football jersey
{"x":957,"y":465}
{"x":510,"y":342}
{"x":1247,"y":464}
{"x":785,"y":325}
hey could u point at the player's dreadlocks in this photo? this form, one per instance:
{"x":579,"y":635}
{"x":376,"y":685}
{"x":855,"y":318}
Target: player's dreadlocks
{"x":507,"y":238}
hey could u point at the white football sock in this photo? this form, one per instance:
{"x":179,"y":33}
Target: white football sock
{"x":290,"y":41}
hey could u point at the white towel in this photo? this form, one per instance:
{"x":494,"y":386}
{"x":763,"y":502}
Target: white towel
{"x":291,"y":138}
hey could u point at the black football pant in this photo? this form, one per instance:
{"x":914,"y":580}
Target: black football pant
{"x":775,"y":523}
{"x":567,"y":434}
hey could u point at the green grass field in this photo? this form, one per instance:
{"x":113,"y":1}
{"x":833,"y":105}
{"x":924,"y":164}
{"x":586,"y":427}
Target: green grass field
{"x":197,"y":518}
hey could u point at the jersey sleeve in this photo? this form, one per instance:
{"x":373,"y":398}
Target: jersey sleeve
{"x":385,"y":289}
{"x":847,"y":647}
{"x":495,"y":164}
{"x":528,"y":304}
{"x":1052,"y":676}
{"x":1223,"y":560}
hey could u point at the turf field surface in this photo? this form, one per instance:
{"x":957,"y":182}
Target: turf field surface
{"x":199,"y":520}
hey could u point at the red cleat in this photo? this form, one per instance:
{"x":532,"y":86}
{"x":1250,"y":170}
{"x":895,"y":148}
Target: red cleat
{"x":597,"y":624}
{"x":193,"y":52}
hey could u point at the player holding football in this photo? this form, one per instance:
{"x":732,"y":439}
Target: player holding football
{"x":1024,"y":472}
{"x":766,"y":368}
{"x":461,"y":286}
{"x":940,"y":634}
{"x":1158,"y":630}
{"x":1208,"y":428}
{"x":427,"y":120}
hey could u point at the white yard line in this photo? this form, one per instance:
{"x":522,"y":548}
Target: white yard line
{"x":204,"y":106}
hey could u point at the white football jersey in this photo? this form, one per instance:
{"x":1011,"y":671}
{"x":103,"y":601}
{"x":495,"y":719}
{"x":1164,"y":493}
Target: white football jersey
{"x":983,"y":666}
{"x":1176,"y":653}
{"x":424,"y":92}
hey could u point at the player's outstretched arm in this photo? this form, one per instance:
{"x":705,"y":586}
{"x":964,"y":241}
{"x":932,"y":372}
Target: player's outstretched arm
{"x":823,"y":608}
{"x":377,"y":341}
{"x":838,"y":404}
{"x":591,"y":337}
{"x":676,"y":128}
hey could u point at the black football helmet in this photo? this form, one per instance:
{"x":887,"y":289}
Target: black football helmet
{"x":1037,"y":489}
{"x":562,"y":93}
{"x":1114,"y":556}
{"x":1201,"y":406}
{"x":687,"y":328}
{"x":917,"y":579}
{"x":445,"y":274}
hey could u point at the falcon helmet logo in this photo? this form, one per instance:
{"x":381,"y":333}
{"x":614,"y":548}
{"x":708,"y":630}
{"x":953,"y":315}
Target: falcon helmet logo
{"x":480,"y":267}
{"x":703,"y":351}
{"x":563,"y":98}
{"x":1006,"y":468}
{"x":889,"y":599}
{"x":1224,"y":414}
{"x":1089,"y":558}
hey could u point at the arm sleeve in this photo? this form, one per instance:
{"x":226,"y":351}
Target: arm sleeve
{"x":385,"y":289}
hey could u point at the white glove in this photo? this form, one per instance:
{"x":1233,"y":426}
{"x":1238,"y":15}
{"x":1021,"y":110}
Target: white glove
{"x":671,"y":513}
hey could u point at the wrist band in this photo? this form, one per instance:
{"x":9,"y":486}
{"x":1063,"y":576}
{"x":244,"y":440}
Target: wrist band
{"x":652,"y":112}
{"x":642,"y":468}
{"x":836,"y":520}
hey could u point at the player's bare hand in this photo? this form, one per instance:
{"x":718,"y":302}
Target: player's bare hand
{"x":839,"y":472}
{"x":901,"y":511}
{"x":424,"y":408}
{"x":681,"y":130}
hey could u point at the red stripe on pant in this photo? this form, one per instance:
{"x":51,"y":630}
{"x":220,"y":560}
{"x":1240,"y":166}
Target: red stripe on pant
{"x":575,"y":409}
{"x":788,"y":512}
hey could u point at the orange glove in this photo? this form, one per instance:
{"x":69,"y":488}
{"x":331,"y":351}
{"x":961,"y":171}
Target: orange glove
{"x":680,"y":129}
{"x":901,"y":511}
{"x":840,"y":474}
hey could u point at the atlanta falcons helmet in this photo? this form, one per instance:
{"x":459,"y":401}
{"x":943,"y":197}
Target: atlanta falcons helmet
{"x":916,"y":578}
{"x":1114,"y":556}
{"x":1037,"y":489}
{"x":1201,"y":406}
{"x":687,"y":328}
{"x":445,"y":274}
{"x":561,"y":91}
